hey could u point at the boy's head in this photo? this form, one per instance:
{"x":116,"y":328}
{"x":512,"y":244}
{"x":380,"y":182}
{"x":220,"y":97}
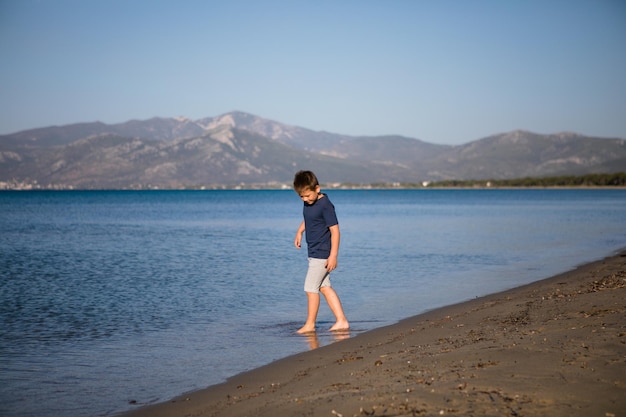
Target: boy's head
{"x":306,"y":185}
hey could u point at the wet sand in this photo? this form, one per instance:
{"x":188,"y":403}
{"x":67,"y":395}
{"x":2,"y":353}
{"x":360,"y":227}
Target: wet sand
{"x":556,"y":347}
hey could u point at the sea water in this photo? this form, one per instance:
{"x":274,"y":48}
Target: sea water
{"x":114,"y":299}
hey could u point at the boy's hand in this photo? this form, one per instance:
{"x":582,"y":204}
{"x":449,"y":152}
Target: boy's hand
{"x":331,"y":263}
{"x":298,"y":240}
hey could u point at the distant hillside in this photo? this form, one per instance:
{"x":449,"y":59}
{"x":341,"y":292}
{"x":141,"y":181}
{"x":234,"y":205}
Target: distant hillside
{"x":240,"y":148}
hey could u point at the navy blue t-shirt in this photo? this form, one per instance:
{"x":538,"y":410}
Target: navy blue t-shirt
{"x":318,"y":217}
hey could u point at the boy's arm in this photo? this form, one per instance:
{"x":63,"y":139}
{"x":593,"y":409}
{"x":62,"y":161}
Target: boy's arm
{"x":331,"y":263}
{"x":298,"y":240}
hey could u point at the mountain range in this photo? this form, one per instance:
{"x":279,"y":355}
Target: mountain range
{"x":238,"y":148}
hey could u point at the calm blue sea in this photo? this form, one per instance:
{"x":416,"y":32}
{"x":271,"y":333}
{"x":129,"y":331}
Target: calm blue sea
{"x":111,"y":298}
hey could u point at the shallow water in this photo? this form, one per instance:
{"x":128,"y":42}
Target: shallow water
{"x":109,"y":298}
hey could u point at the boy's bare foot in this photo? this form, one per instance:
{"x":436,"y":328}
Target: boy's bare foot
{"x":341,"y":325}
{"x":306,"y":329}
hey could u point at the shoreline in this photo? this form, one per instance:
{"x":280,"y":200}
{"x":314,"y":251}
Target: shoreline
{"x":553,"y":347}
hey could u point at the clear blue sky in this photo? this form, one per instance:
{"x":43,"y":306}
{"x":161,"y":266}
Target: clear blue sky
{"x":442,"y":71}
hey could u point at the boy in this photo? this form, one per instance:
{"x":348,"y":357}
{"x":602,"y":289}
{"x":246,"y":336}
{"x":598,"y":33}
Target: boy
{"x":322,"y":238}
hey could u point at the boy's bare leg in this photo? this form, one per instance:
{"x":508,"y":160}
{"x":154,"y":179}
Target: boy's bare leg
{"x":334,"y":303}
{"x":313,"y":306}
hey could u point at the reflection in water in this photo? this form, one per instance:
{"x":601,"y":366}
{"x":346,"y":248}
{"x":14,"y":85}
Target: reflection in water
{"x":341,"y":335}
{"x":314,"y":341}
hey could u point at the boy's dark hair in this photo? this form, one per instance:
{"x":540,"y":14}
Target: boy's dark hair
{"x":305,"y":179}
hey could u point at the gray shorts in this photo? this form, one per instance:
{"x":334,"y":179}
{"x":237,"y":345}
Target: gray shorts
{"x":317,"y":276}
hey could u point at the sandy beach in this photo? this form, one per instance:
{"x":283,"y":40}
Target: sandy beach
{"x":556,"y":347}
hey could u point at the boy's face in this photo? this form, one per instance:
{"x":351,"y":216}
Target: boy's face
{"x":310,"y":196}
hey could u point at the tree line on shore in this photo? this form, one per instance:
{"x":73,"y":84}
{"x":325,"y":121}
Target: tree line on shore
{"x":589,"y":180}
